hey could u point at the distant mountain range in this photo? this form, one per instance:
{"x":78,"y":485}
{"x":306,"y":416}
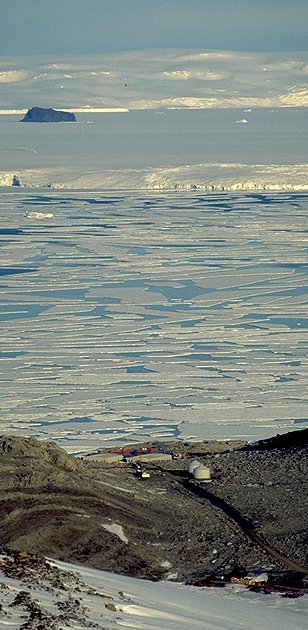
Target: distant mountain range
{"x":156,"y":79}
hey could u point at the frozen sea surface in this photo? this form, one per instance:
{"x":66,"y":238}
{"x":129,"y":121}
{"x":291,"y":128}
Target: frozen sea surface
{"x":129,"y":316}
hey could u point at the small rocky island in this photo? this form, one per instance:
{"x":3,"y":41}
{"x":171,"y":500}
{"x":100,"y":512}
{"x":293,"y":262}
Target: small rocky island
{"x":43,"y":115}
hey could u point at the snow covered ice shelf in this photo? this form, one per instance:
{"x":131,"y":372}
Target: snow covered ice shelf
{"x":145,"y":315}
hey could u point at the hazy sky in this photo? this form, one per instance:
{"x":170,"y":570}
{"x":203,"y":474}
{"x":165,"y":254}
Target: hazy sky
{"x":93,"y":26}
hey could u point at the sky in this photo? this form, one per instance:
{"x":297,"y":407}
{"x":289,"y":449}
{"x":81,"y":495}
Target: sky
{"x":69,"y":27}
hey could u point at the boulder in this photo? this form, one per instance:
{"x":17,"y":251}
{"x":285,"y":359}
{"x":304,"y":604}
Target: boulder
{"x":40,"y":114}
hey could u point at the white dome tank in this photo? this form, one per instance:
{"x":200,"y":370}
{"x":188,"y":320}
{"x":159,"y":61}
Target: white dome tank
{"x":202,"y":473}
{"x":192,"y":465}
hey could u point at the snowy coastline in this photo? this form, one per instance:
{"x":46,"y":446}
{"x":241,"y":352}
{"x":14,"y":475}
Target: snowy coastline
{"x":199,"y":177}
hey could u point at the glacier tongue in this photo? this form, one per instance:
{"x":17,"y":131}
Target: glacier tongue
{"x":203,"y":177}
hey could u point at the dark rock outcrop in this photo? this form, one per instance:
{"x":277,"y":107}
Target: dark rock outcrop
{"x":294,"y":439}
{"x":15,"y":181}
{"x":40,"y":114}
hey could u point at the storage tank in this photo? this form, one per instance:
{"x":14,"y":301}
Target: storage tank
{"x":202,"y":473}
{"x":192,"y":465}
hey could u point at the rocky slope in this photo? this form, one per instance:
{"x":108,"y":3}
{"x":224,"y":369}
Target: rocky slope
{"x":104,"y":516}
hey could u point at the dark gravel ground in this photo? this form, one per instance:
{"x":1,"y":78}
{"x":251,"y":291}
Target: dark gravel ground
{"x":59,"y":506}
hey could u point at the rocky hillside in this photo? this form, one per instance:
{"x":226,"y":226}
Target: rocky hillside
{"x":105,"y":517}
